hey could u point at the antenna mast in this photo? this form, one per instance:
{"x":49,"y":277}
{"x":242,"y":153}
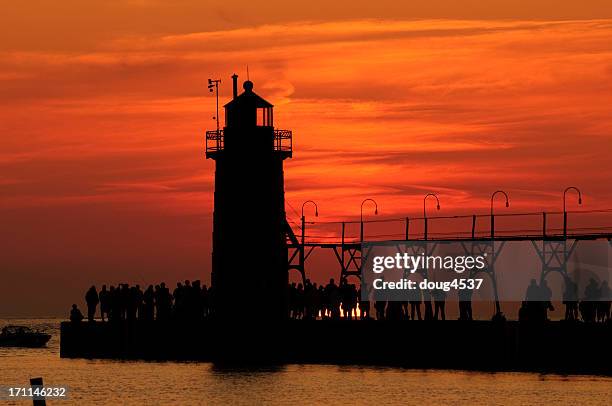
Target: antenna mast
{"x":214,"y":83}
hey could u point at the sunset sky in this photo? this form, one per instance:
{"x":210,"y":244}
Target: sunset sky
{"x":103,"y":108}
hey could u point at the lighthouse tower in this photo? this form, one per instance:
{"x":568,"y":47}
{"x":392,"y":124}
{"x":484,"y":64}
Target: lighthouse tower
{"x":249,"y":257}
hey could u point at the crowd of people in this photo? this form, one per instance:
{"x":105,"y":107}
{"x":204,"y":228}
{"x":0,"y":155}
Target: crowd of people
{"x":343,"y":301}
{"x":193,"y":301}
{"x":189,"y":300}
{"x":331,"y":301}
{"x":309,"y":301}
{"x":594,"y":306}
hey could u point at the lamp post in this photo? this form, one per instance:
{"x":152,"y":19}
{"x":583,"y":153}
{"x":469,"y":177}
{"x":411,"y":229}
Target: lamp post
{"x":302,"y":250}
{"x":564,"y":206}
{"x":492,"y":216}
{"x":498,"y":313}
{"x":304,"y":217}
{"x":425,"y":212}
{"x":361,"y":216}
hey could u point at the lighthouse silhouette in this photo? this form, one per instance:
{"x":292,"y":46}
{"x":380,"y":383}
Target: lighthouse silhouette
{"x":249,"y":256}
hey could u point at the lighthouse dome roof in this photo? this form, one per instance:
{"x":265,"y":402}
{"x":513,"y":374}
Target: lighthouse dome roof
{"x":249,"y":97}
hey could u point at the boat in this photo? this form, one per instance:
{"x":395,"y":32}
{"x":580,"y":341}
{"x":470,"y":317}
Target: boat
{"x":22,"y":336}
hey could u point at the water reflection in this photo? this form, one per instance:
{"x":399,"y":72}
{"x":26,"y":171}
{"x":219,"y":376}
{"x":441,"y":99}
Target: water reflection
{"x":102,"y":382}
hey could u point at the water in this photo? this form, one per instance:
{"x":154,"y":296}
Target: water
{"x":103,"y":382}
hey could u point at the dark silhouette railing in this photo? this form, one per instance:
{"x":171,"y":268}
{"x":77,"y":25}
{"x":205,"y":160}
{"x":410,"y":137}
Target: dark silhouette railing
{"x":533,"y":225}
{"x":214,"y":141}
{"x":283,"y":141}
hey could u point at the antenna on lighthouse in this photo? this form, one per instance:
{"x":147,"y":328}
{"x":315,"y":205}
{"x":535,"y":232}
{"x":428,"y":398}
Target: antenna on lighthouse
{"x":214,"y":84}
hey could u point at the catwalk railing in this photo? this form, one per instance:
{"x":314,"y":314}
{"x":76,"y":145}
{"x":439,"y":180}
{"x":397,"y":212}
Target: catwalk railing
{"x":215,"y":141}
{"x":533,"y":225}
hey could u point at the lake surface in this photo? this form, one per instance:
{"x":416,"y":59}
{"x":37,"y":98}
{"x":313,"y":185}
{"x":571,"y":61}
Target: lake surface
{"x":105,"y":382}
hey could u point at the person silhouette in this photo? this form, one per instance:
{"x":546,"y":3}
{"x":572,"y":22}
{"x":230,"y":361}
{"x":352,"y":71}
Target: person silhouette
{"x":465,"y":304}
{"x":123,"y":294}
{"x":603,"y":310}
{"x":439,"y":297}
{"x":75,"y":315}
{"x":532,"y":301}
{"x":334,"y":299}
{"x":309,"y":291}
{"x":415,"y":303}
{"x":532,"y":291}
{"x":380,"y":306}
{"x":570,"y":300}
{"x":344,"y":298}
{"x":179,"y":300}
{"x":157,"y":296}
{"x":320,"y":302}
{"x":197,"y":307}
{"x":132,"y":302}
{"x":92,"y":300}
{"x":148,"y":298}
{"x":591,"y":296}
{"x":205,"y":300}
{"x":113,"y":303}
{"x":353,"y":295}
{"x":364,"y":306}
{"x":428,"y":307}
{"x":104,"y":303}
{"x":545,"y":297}
{"x":405,"y":310}
{"x":136,"y":298}
{"x":166,"y":301}
{"x":187,"y":300}
{"x":292,"y":300}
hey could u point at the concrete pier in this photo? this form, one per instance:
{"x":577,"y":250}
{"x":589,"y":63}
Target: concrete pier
{"x":559,"y":347}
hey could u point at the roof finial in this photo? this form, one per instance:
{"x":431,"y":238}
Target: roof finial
{"x":248,"y":72}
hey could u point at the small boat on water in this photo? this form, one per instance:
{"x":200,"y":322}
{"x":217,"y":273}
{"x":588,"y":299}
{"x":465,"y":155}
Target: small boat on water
{"x":21,"y":336}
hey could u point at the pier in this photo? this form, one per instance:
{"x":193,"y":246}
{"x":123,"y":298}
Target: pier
{"x":559,"y":347}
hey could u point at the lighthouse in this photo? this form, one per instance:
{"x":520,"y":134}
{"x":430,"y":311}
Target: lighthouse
{"x":249,"y":253}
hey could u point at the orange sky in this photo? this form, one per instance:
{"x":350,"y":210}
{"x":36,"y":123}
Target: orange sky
{"x":103,"y":108}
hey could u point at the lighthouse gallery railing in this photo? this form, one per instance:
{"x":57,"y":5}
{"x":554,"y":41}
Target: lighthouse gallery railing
{"x":283,"y":141}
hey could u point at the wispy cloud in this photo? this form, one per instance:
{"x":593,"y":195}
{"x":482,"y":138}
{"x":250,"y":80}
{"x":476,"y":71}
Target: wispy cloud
{"x":451,"y":104}
{"x":103,"y":107}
